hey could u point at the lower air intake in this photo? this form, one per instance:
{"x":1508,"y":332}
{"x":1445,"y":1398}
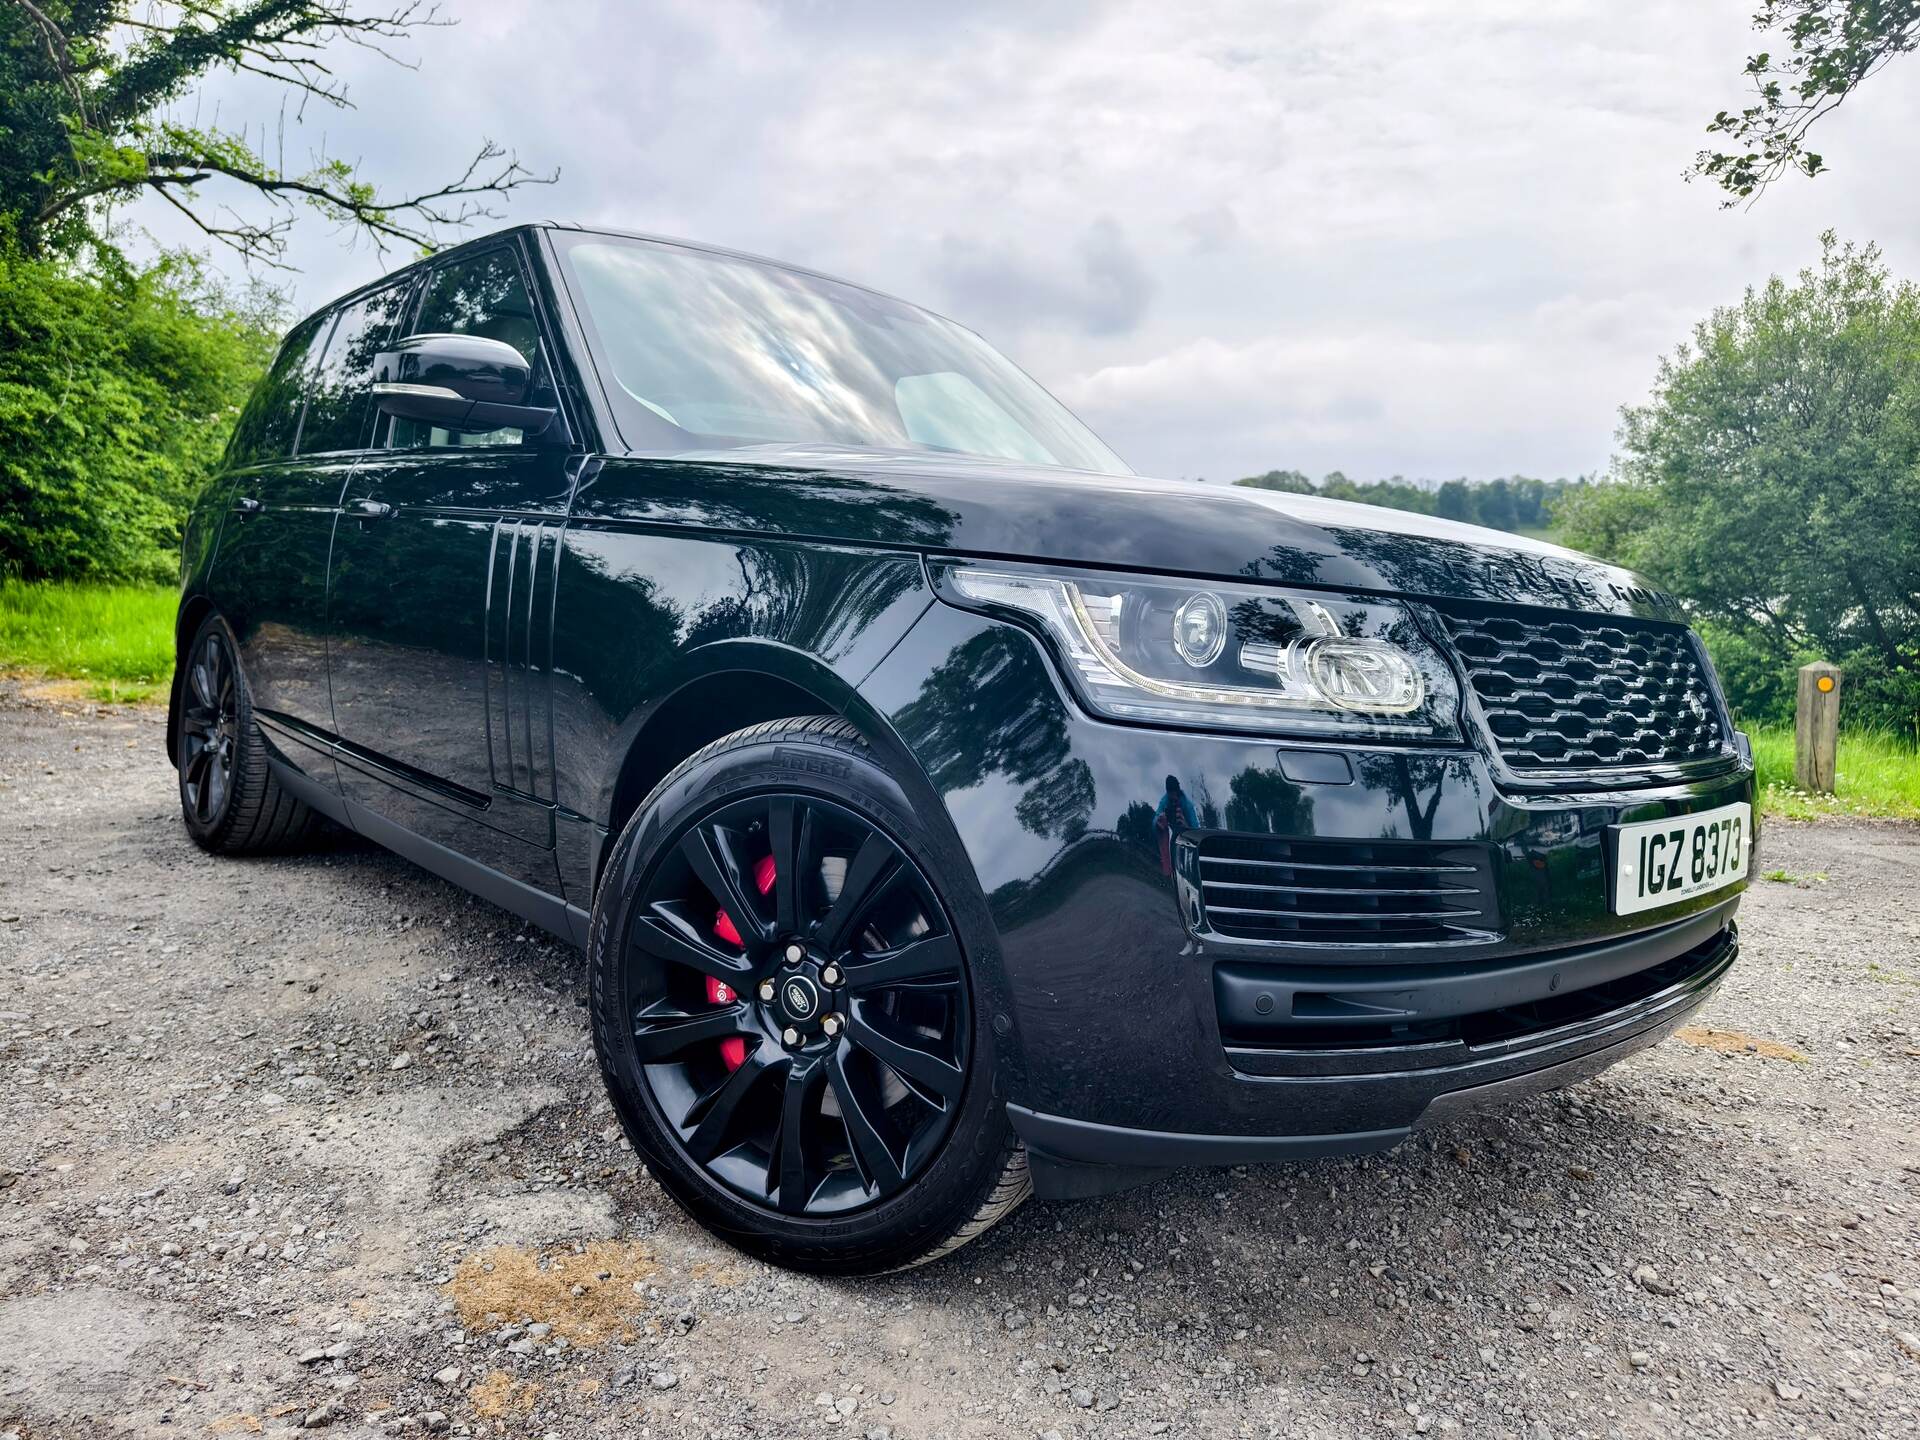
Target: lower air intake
{"x":1346,"y":892}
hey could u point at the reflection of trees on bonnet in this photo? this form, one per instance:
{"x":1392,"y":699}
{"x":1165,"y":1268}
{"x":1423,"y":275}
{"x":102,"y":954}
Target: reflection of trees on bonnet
{"x":972,"y":719}
{"x":1423,"y":565}
{"x":1427,"y":565}
{"x":1285,"y":562}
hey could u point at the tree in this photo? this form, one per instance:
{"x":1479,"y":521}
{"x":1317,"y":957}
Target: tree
{"x":1455,"y":501}
{"x":85,"y":124}
{"x":116,"y":396}
{"x":1833,"y":47}
{"x":1774,"y":476}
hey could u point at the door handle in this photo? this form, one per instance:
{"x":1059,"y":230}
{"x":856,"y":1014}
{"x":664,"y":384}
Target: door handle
{"x":371,"y":509}
{"x":246,"y":505}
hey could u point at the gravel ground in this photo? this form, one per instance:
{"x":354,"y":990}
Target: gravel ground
{"x":319,"y":1142}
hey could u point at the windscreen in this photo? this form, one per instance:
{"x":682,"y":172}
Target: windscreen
{"x":719,"y":350}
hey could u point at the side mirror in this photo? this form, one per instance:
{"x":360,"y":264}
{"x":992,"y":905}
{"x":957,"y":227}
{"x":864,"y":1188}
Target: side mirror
{"x":459,"y":382}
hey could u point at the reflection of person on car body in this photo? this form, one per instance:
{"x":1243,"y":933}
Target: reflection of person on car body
{"x":1173,"y":814}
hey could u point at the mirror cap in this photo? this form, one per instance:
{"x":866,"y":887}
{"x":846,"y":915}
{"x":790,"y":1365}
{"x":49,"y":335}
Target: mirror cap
{"x":472,"y":366}
{"x":459,"y":382}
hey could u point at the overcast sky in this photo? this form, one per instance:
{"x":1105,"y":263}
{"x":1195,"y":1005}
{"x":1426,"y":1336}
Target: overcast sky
{"x":1425,"y":237}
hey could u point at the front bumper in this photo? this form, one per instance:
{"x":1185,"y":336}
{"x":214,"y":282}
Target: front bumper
{"x":1079,"y":1157}
{"x":1138,"y":1029}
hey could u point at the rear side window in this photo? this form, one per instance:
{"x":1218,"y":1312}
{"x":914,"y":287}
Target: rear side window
{"x":337,"y":393}
{"x":485,"y":295}
{"x":267,"y":426}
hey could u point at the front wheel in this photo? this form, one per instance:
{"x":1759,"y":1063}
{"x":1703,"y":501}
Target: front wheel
{"x":784,"y":1011}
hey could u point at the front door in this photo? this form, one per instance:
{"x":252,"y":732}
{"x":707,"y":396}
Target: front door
{"x":441,"y":602}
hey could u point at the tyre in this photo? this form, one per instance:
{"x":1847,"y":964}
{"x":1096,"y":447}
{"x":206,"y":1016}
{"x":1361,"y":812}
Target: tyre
{"x":785,"y":1015}
{"x":229,"y":799}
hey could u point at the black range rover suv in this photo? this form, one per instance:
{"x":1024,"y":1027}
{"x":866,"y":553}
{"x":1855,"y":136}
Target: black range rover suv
{"x":946,"y":812}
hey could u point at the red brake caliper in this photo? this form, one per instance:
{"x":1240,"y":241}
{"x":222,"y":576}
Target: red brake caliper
{"x":733,"y":1050}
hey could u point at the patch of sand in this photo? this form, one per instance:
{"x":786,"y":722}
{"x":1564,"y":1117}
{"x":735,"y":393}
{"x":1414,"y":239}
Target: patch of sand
{"x":499,"y":1394}
{"x":1735,"y":1042}
{"x":510,"y":1284}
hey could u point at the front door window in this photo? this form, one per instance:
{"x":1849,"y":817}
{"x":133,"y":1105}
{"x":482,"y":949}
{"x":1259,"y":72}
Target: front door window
{"x":483,"y":295}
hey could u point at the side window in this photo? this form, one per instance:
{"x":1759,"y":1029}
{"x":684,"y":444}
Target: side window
{"x":486,"y":295}
{"x":338,"y":388}
{"x":266,"y":427}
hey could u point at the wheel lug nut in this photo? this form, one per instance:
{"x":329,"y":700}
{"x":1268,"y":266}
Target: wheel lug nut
{"x":830,"y":975}
{"x":796,"y":952}
{"x":766,"y":990}
{"x":832,"y":1024}
{"x":790,"y":1035}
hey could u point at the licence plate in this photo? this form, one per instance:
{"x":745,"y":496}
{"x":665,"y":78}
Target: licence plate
{"x":1656,"y":862}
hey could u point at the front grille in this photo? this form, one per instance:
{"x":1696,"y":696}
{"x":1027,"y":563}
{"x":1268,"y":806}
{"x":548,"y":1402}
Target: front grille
{"x":1345,"y":892}
{"x":1580,"y":692}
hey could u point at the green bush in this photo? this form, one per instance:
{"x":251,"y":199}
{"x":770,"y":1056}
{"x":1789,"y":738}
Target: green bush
{"x":117,"y":392}
{"x":1760,"y":685}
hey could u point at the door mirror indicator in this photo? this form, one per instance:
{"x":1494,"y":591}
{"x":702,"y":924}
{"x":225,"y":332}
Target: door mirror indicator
{"x":458,"y":382}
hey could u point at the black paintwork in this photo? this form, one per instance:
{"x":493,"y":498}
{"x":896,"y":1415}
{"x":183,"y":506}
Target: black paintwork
{"x":483,"y":658}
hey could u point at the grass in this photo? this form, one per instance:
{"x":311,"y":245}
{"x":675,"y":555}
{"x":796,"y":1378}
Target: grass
{"x":1878,"y":775}
{"x":115,"y":641}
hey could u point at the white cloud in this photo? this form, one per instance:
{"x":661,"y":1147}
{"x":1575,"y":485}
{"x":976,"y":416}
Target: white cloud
{"x":1415,"y":236}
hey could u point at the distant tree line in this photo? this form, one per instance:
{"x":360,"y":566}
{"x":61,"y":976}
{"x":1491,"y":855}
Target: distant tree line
{"x":1518,"y":503}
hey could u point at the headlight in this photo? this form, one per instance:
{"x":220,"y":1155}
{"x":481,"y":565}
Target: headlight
{"x":1233,"y":656}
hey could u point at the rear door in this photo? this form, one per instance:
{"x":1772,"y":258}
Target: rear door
{"x":271,"y":579}
{"x":442,"y":596}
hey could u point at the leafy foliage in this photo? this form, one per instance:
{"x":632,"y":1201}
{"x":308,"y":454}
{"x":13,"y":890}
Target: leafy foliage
{"x":1520,"y":504}
{"x":1774,"y":479}
{"x":1832,"y":47}
{"x":116,"y":397}
{"x":86,"y":86}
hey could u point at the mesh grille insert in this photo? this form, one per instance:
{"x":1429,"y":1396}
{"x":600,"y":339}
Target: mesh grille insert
{"x":1581,"y":692}
{"x":1351,"y":892}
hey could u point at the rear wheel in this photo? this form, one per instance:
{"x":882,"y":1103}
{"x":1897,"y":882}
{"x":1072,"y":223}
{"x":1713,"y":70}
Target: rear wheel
{"x":784,"y":1011}
{"x":228,"y":796}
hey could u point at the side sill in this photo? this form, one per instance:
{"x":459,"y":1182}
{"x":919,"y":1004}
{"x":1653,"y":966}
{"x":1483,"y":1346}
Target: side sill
{"x":549,"y":912}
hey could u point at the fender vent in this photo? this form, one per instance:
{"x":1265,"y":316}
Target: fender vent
{"x":1346,"y":892}
{"x":520,"y":587}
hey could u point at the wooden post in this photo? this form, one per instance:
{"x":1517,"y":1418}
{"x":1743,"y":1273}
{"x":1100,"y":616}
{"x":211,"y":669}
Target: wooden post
{"x":1816,"y":728}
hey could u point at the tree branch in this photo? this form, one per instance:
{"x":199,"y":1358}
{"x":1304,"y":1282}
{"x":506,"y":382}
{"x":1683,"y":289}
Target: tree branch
{"x":1833,"y":47}
{"x":59,"y":52}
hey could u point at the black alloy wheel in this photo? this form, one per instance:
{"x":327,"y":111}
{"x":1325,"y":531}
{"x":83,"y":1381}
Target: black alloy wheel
{"x":230,"y":799}
{"x":800,"y":1005}
{"x":208,"y":729}
{"x":785,"y":1010}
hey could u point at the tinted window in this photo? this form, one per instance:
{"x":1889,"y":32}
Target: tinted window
{"x":266,"y":427}
{"x":483,"y":295}
{"x":337,"y":393}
